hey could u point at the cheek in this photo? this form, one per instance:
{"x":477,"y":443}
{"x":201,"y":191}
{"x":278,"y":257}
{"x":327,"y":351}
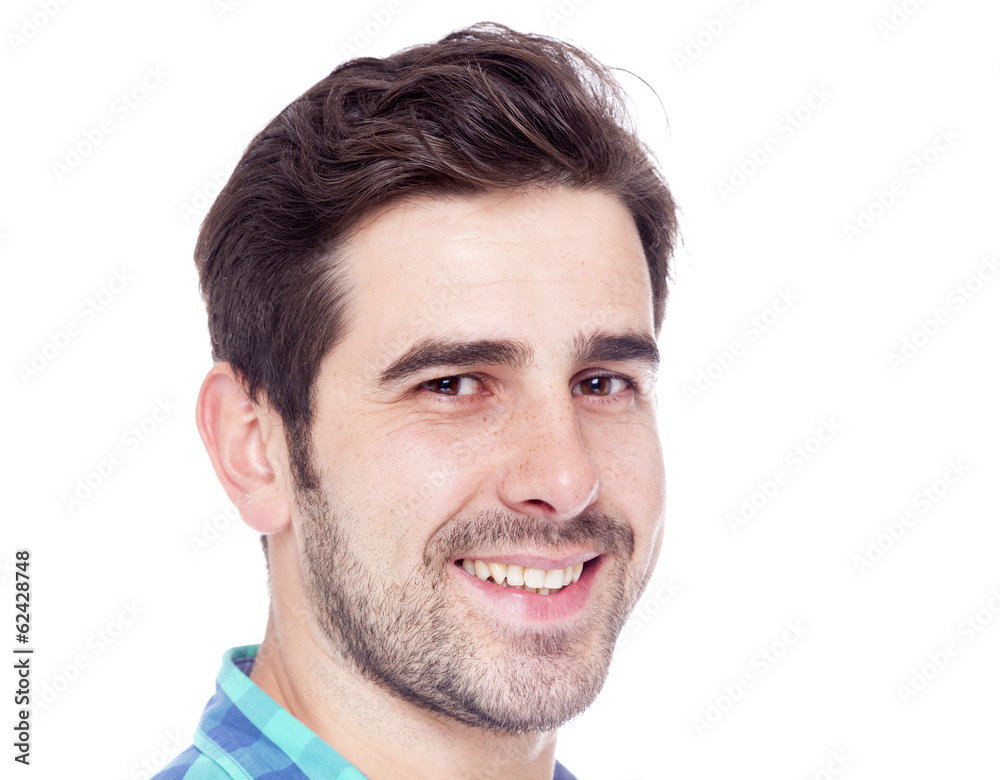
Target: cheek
{"x":632,"y":478}
{"x":421,"y":476}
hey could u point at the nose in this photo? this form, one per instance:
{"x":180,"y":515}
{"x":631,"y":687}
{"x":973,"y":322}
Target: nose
{"x":549,"y":471}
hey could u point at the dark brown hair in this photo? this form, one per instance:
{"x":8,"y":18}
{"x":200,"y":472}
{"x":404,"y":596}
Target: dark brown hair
{"x":483,"y":109}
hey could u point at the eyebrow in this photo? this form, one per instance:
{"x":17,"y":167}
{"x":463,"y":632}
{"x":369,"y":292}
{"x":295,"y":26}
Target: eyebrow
{"x":594,"y":348}
{"x":603,"y":346}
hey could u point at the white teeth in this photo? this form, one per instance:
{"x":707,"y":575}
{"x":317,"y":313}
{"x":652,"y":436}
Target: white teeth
{"x":541,"y":581}
{"x":499,"y":572}
{"x":554,"y":578}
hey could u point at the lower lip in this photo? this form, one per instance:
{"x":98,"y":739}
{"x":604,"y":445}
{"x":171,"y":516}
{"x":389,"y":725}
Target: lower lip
{"x":533,"y":607}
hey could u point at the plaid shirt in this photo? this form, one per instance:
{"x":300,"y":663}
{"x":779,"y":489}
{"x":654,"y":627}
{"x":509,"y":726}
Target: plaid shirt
{"x":244,"y":734}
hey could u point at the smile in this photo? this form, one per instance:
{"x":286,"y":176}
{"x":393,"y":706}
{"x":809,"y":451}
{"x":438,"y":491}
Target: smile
{"x":532,"y":589}
{"x":534,"y":580}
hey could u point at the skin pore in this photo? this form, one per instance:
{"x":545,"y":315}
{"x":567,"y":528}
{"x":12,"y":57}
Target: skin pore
{"x":492,"y":399}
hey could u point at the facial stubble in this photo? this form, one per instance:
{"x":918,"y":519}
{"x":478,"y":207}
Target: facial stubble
{"x":408,"y":638}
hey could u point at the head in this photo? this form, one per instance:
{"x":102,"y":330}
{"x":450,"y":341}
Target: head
{"x":442,"y":274}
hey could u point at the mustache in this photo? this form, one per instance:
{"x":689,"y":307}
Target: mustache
{"x":497,"y":529}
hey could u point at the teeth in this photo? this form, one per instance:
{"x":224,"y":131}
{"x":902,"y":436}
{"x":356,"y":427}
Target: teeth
{"x":541,"y":581}
{"x":499,"y":572}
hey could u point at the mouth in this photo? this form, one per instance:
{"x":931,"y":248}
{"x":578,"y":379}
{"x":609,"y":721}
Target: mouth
{"x":518,"y":576}
{"x":528,"y":588}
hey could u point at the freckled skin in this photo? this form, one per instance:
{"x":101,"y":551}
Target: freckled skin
{"x":513,"y":280}
{"x":403,"y":465}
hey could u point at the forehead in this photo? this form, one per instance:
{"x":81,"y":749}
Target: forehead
{"x":558,"y":259}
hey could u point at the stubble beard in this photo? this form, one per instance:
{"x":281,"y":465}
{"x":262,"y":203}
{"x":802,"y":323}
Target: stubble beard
{"x":408,"y":638}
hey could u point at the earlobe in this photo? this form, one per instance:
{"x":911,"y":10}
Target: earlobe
{"x":243,"y":441}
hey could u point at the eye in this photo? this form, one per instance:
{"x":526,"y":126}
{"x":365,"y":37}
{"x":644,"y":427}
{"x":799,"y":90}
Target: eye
{"x":602,"y":386}
{"x":453,"y":385}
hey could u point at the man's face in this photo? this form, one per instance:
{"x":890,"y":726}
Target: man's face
{"x":492,"y":401}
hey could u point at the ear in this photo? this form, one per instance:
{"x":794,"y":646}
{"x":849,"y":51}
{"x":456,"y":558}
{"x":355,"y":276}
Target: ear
{"x":246,"y":444}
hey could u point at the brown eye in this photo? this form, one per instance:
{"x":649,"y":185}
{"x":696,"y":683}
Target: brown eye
{"x":602,"y":385}
{"x":452,"y":385}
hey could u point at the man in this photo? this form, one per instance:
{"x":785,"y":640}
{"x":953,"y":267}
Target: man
{"x":434,"y":284}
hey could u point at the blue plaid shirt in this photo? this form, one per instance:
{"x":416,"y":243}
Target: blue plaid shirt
{"x":245,"y":734}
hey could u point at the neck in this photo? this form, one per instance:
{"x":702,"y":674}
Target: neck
{"x":382,"y":735}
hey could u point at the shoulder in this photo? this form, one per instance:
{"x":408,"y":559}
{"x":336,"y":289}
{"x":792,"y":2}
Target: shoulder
{"x":562,"y":773}
{"x":192,"y":764}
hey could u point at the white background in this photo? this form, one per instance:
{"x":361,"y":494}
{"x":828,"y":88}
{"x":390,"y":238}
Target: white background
{"x":123,"y":690}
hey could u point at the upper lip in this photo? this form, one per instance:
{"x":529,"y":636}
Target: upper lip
{"x":531,"y":561}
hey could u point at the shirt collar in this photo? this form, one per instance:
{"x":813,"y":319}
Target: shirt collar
{"x":250,"y":735}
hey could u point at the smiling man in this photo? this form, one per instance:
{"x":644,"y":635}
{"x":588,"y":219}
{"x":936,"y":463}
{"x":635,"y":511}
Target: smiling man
{"x":434,"y":285}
